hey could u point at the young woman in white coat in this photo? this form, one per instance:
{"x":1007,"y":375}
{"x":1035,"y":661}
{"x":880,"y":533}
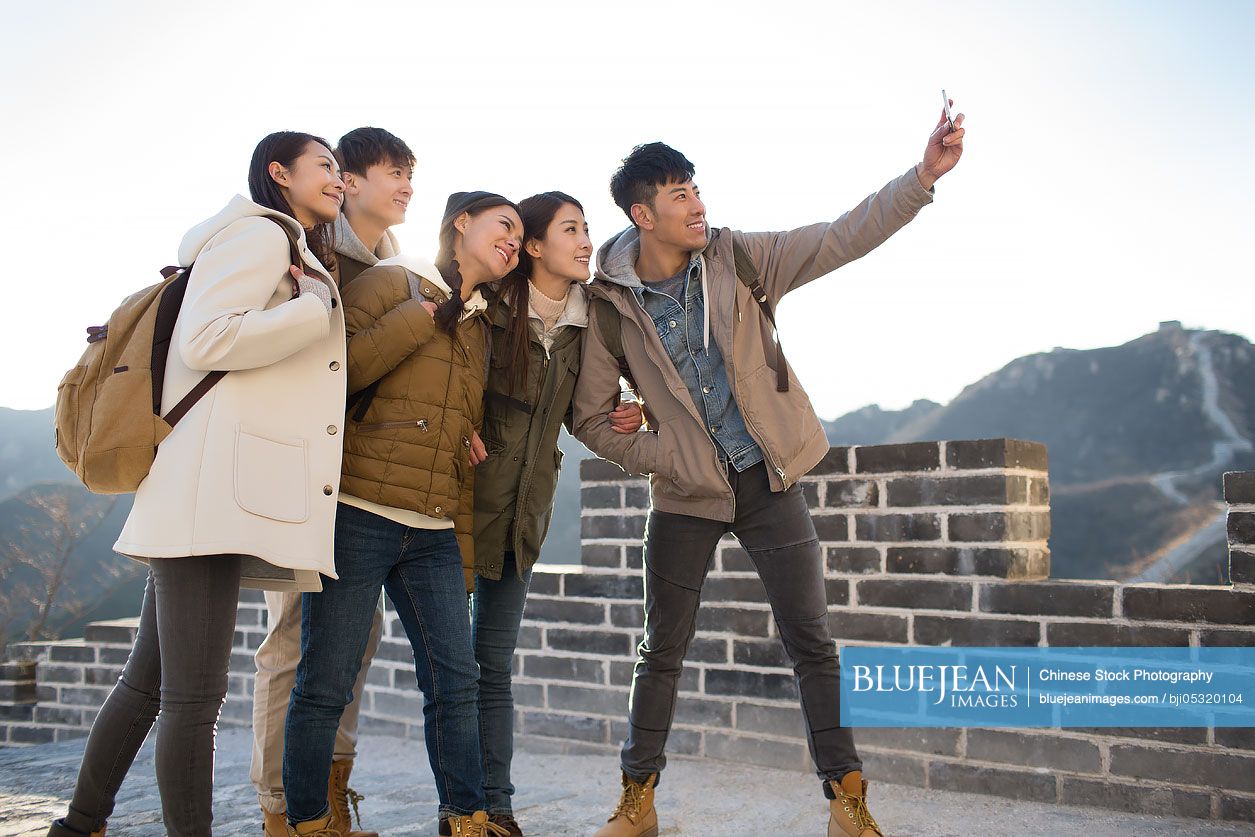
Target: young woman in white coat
{"x":244,"y":489}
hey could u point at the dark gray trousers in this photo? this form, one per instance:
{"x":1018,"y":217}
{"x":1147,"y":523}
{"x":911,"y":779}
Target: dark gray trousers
{"x":777,"y":532}
{"x":178,"y":666}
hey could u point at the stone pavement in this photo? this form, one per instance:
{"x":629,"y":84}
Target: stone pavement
{"x":567,"y":795}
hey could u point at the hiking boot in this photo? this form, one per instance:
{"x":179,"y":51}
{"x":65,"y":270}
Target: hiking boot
{"x":508,"y":822}
{"x":273,"y":825}
{"x":848,"y":814}
{"x":340,"y":796}
{"x":635,"y":815}
{"x":321,"y":827}
{"x":473,"y":825}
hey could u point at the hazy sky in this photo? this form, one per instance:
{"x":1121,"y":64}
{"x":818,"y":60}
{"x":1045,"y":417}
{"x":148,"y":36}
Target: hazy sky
{"x":1106,"y":183}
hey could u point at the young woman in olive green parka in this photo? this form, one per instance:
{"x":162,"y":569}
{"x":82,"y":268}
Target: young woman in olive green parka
{"x":541,"y":306}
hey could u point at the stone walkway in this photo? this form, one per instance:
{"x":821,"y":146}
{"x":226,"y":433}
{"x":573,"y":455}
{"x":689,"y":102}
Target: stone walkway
{"x":567,"y":795}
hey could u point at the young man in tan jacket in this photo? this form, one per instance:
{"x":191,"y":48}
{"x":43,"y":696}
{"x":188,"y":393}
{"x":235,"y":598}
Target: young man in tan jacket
{"x":732,"y":433}
{"x":377,"y":168}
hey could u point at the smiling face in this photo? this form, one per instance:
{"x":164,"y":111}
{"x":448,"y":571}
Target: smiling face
{"x":382,"y":194}
{"x":311,"y":185}
{"x":677,"y":217}
{"x":487,"y":247}
{"x":566,"y":249}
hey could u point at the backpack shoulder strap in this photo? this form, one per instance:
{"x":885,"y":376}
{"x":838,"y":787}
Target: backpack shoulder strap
{"x":610,"y":326}
{"x":748,"y":275}
{"x":205,"y":384}
{"x":294,"y":246}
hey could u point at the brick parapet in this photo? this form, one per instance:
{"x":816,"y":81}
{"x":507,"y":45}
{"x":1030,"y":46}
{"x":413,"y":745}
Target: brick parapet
{"x":737,"y":694}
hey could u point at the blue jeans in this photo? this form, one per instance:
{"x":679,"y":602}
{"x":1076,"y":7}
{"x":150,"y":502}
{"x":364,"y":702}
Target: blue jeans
{"x":421,"y":571}
{"x":497,"y":610}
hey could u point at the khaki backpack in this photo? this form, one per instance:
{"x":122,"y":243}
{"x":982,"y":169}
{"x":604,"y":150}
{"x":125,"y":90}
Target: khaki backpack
{"x":108,"y":414}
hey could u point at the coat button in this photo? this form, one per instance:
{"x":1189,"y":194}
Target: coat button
{"x":466,"y":443}
{"x":439,"y":510}
{"x":326,"y":489}
{"x":331,"y":430}
{"x":673,"y":323}
{"x":422,"y":425}
{"x":334,"y":366}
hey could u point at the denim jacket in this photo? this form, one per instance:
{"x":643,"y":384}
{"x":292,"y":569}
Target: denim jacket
{"x":682,"y":330}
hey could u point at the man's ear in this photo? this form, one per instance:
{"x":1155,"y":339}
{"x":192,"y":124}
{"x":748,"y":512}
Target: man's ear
{"x":642,"y":216}
{"x":350,"y":182}
{"x":278,"y":173}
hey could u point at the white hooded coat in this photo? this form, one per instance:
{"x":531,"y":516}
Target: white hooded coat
{"x":254,"y":468}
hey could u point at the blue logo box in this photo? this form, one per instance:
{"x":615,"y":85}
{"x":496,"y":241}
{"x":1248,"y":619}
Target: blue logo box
{"x":1047,"y":687}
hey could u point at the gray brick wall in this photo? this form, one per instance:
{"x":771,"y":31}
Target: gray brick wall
{"x":926,"y":543}
{"x":1239,"y":493}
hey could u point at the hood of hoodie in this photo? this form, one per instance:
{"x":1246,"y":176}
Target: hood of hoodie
{"x":348,"y":244}
{"x":616,"y":259}
{"x":427,"y":270}
{"x":239,"y":208}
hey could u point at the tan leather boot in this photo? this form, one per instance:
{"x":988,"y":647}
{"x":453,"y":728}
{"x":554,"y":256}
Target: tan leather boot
{"x":635,"y":815}
{"x":273,"y":825}
{"x":314,"y":828}
{"x":475,"y":825}
{"x":340,"y":795}
{"x":848,"y":814}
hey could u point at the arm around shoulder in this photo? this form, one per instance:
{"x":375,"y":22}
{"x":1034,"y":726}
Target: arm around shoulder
{"x":385,"y":325}
{"x":596,"y":393}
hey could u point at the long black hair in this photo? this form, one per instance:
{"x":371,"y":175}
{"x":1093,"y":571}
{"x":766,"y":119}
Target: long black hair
{"x":450,"y":313}
{"x":284,"y":147}
{"x":537,"y":213}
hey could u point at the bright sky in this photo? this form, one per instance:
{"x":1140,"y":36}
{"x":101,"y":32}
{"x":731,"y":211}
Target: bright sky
{"x":1106,"y":183}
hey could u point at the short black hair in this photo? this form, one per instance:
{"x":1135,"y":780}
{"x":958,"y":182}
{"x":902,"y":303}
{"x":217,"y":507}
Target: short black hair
{"x":362,"y":148}
{"x":640,"y":174}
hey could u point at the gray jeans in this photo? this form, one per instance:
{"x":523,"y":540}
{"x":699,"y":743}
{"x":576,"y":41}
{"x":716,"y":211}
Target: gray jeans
{"x":178,"y":666}
{"x":777,"y":532}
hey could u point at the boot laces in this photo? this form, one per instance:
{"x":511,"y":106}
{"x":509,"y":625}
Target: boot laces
{"x":466,"y":827}
{"x":354,"y":797}
{"x":630,"y":802}
{"x":343,"y":798}
{"x":856,"y":807}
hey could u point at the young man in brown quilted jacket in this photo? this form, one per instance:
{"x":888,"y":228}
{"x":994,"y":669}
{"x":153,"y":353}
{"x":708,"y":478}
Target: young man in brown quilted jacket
{"x":733,"y":432}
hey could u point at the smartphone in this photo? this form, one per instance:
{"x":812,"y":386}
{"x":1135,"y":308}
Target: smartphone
{"x":945,"y":102}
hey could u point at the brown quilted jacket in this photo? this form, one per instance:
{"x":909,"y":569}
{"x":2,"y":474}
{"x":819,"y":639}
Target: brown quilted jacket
{"x":410,"y":449}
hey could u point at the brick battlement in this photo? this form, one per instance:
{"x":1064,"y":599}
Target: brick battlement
{"x":926,"y":544}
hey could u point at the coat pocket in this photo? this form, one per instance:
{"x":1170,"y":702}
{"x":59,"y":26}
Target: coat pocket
{"x":271,"y":475}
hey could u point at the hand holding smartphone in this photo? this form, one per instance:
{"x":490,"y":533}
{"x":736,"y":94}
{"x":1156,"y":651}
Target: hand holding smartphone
{"x":945,"y":103}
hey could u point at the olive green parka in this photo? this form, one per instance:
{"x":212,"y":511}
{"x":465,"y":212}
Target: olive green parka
{"x":515,"y":486}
